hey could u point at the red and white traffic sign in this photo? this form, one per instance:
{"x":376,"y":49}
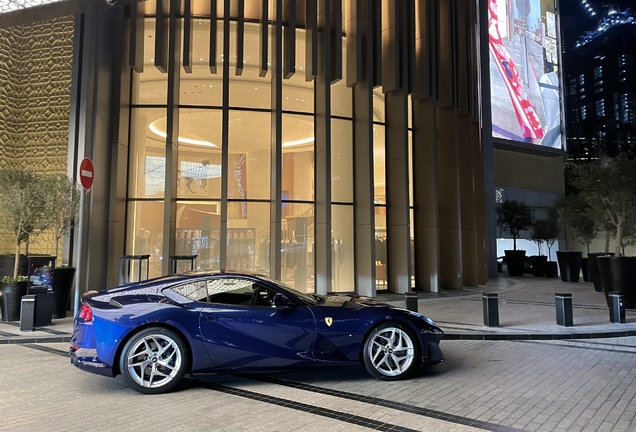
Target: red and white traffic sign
{"x":86,"y":173}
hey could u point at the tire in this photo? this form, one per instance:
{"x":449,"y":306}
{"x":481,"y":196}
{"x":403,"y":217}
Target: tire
{"x":391,"y":352}
{"x":154,"y":360}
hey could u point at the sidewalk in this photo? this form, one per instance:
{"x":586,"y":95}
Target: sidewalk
{"x":526,"y":311}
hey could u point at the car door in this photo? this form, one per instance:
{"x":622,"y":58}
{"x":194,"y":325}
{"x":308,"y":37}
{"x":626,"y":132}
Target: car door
{"x":339,"y":331}
{"x":242,"y":330}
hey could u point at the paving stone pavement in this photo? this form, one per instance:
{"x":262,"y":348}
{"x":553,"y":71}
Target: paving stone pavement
{"x":483,"y":385}
{"x":576,"y":384}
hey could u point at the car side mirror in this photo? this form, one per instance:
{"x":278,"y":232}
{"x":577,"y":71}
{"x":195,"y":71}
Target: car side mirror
{"x":280,"y":301}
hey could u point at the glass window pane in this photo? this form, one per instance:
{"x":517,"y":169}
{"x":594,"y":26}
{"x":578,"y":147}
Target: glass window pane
{"x":248,"y":89}
{"x":249,"y":158}
{"x":201,"y":87}
{"x":197,"y":232}
{"x":380,"y":248}
{"x":341,"y":95}
{"x":298,"y":157}
{"x":199,"y":168}
{"x":342,"y":248}
{"x":412,"y":246}
{"x":410,"y":162}
{"x":145,"y":233}
{"x":151,"y":86}
{"x":147,"y":165}
{"x":378,"y":105}
{"x":297,"y":231}
{"x":298,"y":94}
{"x":230,"y":291}
{"x":379,"y":165}
{"x":248,"y":236}
{"x":341,"y":161}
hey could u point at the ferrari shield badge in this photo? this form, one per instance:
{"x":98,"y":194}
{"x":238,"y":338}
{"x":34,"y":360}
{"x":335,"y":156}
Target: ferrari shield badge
{"x":329,"y":321}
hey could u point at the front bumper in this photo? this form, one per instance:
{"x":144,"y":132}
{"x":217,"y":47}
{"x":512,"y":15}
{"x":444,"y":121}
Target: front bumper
{"x":432,"y":354}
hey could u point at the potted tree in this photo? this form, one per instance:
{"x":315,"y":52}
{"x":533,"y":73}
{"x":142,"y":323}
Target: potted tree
{"x":22,"y":214}
{"x":607,"y":187}
{"x":551,"y":234}
{"x":63,"y":201}
{"x":582,"y":227}
{"x":538,"y":236}
{"x":513,"y":217}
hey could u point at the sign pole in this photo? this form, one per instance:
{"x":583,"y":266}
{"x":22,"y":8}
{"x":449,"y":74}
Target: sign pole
{"x":86,"y":177}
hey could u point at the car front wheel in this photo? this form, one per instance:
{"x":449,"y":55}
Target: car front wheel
{"x":391,"y":352}
{"x":153,"y":360}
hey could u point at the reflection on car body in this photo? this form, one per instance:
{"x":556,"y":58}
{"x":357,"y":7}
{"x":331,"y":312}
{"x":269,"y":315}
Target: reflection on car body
{"x":153,"y":332}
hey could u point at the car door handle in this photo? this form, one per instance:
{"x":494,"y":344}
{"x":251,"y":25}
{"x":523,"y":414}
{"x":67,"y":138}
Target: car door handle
{"x":208,"y":318}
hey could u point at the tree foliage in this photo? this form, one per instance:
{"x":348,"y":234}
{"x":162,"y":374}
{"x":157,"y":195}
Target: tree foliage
{"x":577,"y":216}
{"x":607,"y":187}
{"x":23,"y":206}
{"x":63,"y":200}
{"x":513,"y":217}
{"x":545,"y":230}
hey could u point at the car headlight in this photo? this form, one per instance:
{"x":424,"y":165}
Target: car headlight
{"x":426,"y":319}
{"x":429,"y":321}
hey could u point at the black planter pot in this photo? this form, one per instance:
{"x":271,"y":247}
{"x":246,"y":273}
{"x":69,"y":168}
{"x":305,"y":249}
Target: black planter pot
{"x":7,"y":262}
{"x":585,"y":269}
{"x":538,"y":265}
{"x":11,"y":294}
{"x":605,"y":275}
{"x":551,"y":269}
{"x":623,"y":272}
{"x":569,"y":265}
{"x":62,"y":284}
{"x":515,"y":260}
{"x":593,"y":268}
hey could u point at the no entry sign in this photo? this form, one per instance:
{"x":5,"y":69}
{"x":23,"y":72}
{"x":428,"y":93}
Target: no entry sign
{"x":86,"y":173}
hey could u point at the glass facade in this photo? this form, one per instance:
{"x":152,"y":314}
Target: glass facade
{"x":244,"y":126}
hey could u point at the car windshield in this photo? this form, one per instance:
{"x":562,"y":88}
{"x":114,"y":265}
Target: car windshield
{"x":309,"y":298}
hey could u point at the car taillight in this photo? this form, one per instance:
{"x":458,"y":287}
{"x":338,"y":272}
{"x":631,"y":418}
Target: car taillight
{"x":86,"y":313}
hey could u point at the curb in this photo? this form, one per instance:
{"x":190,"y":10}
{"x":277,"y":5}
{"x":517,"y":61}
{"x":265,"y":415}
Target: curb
{"x":538,"y":336}
{"x":30,"y":340}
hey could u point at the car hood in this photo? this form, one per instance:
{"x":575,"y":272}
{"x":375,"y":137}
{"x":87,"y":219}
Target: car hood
{"x":351,"y":302}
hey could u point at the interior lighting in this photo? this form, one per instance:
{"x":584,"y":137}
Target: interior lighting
{"x":162,"y":134}
{"x":299,"y":142}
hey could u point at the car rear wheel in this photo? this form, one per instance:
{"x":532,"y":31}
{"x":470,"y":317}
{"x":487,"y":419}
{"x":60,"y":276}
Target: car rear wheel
{"x":153,"y":360}
{"x":391,"y":352}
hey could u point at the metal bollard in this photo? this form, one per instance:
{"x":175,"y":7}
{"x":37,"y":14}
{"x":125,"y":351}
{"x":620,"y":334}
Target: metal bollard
{"x":491,"y":310}
{"x":411,"y":301}
{"x":564,"y":309}
{"x":617,"y":308}
{"x":27,"y":313}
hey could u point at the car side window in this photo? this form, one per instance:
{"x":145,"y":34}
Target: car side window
{"x":230,"y":291}
{"x":196,"y":291}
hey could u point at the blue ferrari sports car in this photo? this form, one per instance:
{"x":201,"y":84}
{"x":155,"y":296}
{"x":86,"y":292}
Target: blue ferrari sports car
{"x":155,"y":331}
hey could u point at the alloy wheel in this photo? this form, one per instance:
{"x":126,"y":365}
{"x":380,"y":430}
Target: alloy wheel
{"x":391,"y":351}
{"x":154,"y":361}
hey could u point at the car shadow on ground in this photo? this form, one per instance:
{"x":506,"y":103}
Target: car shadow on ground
{"x":313,"y":377}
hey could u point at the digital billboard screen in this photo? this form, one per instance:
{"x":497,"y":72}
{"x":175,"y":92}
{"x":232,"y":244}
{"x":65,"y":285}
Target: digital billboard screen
{"x":524,"y":72}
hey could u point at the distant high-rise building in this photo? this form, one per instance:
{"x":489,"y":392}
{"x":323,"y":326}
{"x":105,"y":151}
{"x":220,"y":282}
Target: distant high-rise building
{"x":600,"y":87}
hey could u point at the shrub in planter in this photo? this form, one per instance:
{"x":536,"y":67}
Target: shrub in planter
{"x":513,"y":217}
{"x":576,"y":214}
{"x":543,"y":231}
{"x":23,"y":207}
{"x":607,"y":188}
{"x":11,"y":292}
{"x":62,"y":206}
{"x":569,"y":265}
